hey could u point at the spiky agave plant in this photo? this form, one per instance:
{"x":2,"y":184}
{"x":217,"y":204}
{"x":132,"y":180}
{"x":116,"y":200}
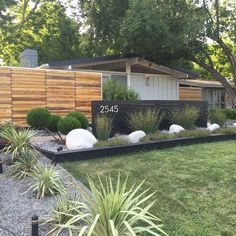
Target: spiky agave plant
{"x":25,"y":163}
{"x":47,"y":181}
{"x":17,"y":141}
{"x":115,"y":211}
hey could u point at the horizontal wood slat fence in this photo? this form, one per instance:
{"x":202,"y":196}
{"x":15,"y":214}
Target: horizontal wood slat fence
{"x":22,"y":89}
{"x":190,"y":94}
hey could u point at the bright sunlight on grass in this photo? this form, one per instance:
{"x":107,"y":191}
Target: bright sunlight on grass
{"x":195,"y":185}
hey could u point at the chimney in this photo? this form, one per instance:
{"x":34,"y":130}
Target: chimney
{"x":29,"y":58}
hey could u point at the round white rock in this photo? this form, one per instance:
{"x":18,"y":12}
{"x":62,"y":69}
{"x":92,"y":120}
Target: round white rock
{"x":80,"y":138}
{"x":175,"y":129}
{"x":234,"y":124}
{"x":213,"y":127}
{"x":136,"y":136}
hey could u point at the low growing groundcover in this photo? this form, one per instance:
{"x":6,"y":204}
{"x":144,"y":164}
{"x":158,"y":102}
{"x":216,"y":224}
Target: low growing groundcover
{"x":195,"y":185}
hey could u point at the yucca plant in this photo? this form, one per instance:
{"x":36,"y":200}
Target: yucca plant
{"x":47,"y":181}
{"x":114,"y":211}
{"x":103,"y":127}
{"x":17,"y":140}
{"x":24,"y":164}
{"x":147,"y":120}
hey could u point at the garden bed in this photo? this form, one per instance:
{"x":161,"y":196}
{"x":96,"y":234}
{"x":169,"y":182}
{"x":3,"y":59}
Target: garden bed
{"x":97,"y":152}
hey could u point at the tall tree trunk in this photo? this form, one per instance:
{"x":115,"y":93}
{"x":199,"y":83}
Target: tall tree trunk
{"x":231,"y":92}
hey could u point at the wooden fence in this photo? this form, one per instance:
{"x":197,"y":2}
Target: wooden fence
{"x":190,"y":94}
{"x":60,"y":91}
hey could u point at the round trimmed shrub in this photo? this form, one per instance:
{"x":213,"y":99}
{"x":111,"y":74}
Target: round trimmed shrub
{"x":66,"y":124}
{"x":81,"y":117}
{"x":38,"y":118}
{"x":53,"y":125}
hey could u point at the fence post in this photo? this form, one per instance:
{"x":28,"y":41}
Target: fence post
{"x":1,"y":170}
{"x":35,"y":225}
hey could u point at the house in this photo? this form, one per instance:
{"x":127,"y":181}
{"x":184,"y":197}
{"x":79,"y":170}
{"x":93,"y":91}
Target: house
{"x":150,"y":80}
{"x":207,"y":90}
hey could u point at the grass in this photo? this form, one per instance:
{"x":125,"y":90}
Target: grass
{"x":195,"y":185}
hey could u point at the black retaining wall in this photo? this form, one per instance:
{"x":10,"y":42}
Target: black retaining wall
{"x":118,"y":110}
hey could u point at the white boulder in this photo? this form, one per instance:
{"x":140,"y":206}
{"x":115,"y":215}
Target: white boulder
{"x":136,"y":136}
{"x":213,"y":127}
{"x":234,"y":124}
{"x":80,"y":138}
{"x":175,"y":129}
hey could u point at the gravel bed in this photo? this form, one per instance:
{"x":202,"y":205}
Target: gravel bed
{"x":50,"y":146}
{"x":17,"y":205}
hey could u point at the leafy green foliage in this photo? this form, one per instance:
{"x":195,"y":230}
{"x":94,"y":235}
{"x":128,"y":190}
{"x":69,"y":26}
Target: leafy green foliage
{"x":115,"y":141}
{"x":116,"y":91}
{"x":158,"y":136}
{"x":39,"y":118}
{"x":145,"y":120}
{"x":217,"y":116}
{"x":16,"y":141}
{"x":53,"y":124}
{"x":66,"y":124}
{"x":24,"y":164}
{"x":230,"y":113}
{"x":113,"y":210}
{"x":81,"y":117}
{"x":103,"y":126}
{"x":186,"y":117}
{"x":196,"y":133}
{"x":47,"y":181}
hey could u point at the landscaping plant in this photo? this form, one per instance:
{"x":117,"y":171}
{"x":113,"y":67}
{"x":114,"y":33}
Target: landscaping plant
{"x":113,"y":211}
{"x":7,"y":124}
{"x":230,"y":113}
{"x":194,"y":133}
{"x":16,"y":141}
{"x":225,"y":131}
{"x":112,"y":142}
{"x":80,"y":117}
{"x":68,"y":123}
{"x":186,"y":117}
{"x":103,"y":127}
{"x":158,"y":136}
{"x":24,"y":164}
{"x":217,"y":116}
{"x":47,"y":181}
{"x":53,"y":124}
{"x":113,"y":90}
{"x":146,"y":120}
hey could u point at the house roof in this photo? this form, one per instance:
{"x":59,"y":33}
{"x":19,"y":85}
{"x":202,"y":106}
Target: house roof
{"x":201,"y":83}
{"x":119,"y":63}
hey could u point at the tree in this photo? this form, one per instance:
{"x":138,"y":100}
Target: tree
{"x":166,"y":31}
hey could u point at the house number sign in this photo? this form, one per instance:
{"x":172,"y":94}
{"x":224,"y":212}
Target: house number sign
{"x":108,"y":109}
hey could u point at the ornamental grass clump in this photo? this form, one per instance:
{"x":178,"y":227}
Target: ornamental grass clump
{"x":47,"y":181}
{"x":196,"y":133}
{"x":103,"y":127}
{"x":16,"y":141}
{"x":158,"y":136}
{"x":217,"y":116}
{"x":25,"y":163}
{"x":114,"y":210}
{"x":146,"y":120}
{"x":186,"y":117}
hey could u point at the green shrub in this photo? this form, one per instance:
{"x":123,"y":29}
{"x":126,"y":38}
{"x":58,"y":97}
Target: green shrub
{"x":103,"y":127}
{"x":225,"y":131}
{"x":158,"y":136}
{"x":230,"y":113}
{"x":66,"y":124}
{"x":115,"y":141}
{"x":194,"y":133}
{"x":47,"y":181}
{"x":116,"y":91}
{"x":113,"y":210}
{"x":186,"y":117}
{"x":39,"y":118}
{"x":217,"y":116}
{"x":81,"y":117}
{"x":17,"y":141}
{"x":53,"y":124}
{"x":24,"y":164}
{"x":146,"y":120}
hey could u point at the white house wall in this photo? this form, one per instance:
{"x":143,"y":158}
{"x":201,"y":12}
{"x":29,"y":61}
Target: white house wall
{"x":150,"y":87}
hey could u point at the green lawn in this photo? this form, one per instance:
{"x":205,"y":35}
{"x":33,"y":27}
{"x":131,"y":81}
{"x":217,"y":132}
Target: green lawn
{"x":195,"y":185}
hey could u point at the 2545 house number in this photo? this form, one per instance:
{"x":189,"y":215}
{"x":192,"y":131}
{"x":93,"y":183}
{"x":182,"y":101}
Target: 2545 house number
{"x":108,"y":109}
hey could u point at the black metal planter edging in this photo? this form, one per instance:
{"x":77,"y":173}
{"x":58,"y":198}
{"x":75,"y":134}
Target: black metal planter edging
{"x":98,"y":152}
